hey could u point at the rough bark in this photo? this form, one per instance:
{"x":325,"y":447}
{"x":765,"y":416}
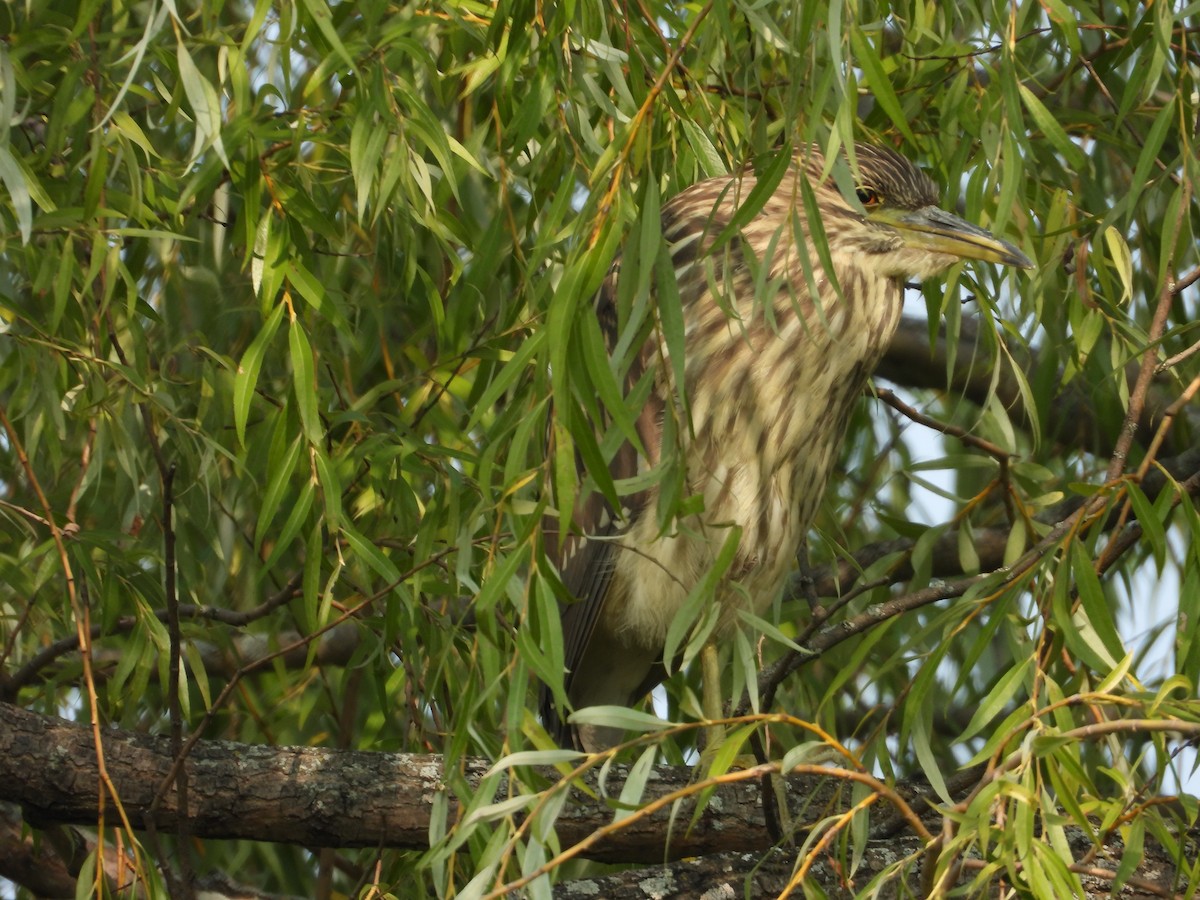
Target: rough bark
{"x":734,"y":875}
{"x":339,"y":798}
{"x":320,"y":797}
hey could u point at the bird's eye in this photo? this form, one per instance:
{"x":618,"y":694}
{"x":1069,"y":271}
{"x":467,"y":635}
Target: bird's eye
{"x":869,"y":197}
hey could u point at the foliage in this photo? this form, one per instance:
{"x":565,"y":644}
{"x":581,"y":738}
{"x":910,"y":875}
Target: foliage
{"x":288,"y":290}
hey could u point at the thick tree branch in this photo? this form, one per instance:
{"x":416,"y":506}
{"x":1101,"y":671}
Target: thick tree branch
{"x":1073,"y":418}
{"x":34,"y":865}
{"x":338,"y":798}
{"x":328,"y":798}
{"x":768,"y":875}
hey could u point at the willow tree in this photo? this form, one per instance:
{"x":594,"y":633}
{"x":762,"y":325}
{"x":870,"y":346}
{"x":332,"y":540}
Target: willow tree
{"x":293,"y":298}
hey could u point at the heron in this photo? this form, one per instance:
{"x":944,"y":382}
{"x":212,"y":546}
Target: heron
{"x":780,"y":337}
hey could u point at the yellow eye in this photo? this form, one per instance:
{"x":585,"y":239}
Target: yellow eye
{"x":869,"y":197}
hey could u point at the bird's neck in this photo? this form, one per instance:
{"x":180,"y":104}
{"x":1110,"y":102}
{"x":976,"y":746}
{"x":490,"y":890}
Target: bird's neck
{"x":788,"y":381}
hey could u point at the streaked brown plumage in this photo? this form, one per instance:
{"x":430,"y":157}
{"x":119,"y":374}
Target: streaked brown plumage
{"x":771,"y":377}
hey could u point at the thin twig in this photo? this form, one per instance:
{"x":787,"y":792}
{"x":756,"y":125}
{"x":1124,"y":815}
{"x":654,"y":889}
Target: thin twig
{"x":1172,"y":361}
{"x":251,"y":667}
{"x":752,"y":773}
{"x":1137,"y":398}
{"x":173,"y":687}
{"x":24,"y":513}
{"x":1182,"y":284}
{"x":1131,"y":535}
{"x":643,"y":112}
{"x":82,"y":617}
{"x":63,"y":646}
{"x":889,"y":397}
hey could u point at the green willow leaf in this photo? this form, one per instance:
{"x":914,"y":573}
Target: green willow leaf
{"x":320,"y":13}
{"x":1053,"y":131}
{"x":202,"y":97}
{"x":248,"y":370}
{"x":304,"y":381}
{"x":879,"y":82}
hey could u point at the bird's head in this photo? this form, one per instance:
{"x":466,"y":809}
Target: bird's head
{"x":895,"y":221}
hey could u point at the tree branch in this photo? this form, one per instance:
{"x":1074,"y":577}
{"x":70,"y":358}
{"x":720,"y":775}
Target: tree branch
{"x":837,"y":578}
{"x":1072,"y":418}
{"x":318,"y":797}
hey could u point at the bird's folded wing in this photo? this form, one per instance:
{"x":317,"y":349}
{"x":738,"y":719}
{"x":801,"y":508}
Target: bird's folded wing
{"x":587,"y":557}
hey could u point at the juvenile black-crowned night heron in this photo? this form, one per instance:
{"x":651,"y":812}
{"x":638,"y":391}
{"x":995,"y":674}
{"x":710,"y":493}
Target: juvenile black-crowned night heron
{"x":777,"y":354}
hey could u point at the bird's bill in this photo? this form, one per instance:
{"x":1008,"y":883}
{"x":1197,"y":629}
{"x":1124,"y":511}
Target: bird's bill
{"x":935,"y":229}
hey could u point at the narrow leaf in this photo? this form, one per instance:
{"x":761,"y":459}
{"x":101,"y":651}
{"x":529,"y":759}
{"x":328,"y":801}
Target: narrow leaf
{"x":246,"y":379}
{"x":879,"y":82}
{"x":304,"y":381}
{"x":1053,"y":132}
{"x":997,"y":699}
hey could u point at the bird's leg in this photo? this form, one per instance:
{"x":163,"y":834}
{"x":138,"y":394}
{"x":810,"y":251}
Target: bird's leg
{"x":710,"y":673}
{"x":808,"y":587}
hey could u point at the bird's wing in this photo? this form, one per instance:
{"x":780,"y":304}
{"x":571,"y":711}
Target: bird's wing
{"x":587,"y":557}
{"x":589,"y":554}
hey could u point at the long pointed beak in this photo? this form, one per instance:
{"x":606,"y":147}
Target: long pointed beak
{"x":930,"y":228}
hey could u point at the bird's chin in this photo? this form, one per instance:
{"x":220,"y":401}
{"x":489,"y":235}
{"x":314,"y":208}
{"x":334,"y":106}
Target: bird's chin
{"x":914,"y":265}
